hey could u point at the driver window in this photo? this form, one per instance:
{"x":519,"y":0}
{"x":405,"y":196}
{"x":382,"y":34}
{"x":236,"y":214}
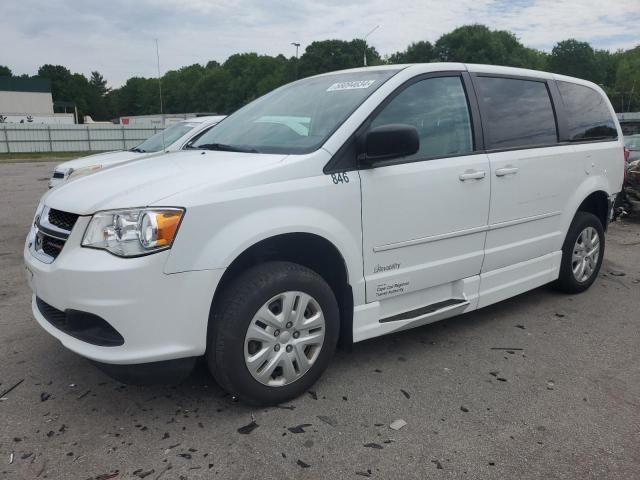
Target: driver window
{"x":438,"y":108}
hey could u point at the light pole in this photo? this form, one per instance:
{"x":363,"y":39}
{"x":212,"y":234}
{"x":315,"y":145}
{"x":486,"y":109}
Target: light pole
{"x":297,"y":45}
{"x":365,"y":43}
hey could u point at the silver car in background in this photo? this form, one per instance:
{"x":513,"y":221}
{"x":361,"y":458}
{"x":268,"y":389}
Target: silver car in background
{"x":171,"y":139}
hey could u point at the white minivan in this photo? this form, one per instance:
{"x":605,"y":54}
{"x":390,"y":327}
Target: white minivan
{"x":339,"y":207}
{"x":171,"y":139}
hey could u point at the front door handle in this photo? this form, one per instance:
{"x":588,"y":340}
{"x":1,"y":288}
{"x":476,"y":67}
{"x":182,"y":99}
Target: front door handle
{"x":472,"y":175}
{"x":509,"y":170}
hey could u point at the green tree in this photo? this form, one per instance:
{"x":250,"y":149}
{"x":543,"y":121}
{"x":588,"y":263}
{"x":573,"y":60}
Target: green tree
{"x":5,"y":71}
{"x":418,"y":52}
{"x":329,"y":55}
{"x":574,"y":58}
{"x":627,"y":83}
{"x":98,"y":83}
{"x":479,"y":44}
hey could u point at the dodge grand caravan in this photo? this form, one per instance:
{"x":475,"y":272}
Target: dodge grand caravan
{"x":343,"y":206}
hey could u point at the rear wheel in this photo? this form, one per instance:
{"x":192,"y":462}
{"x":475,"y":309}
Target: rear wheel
{"x":274,"y":331}
{"x":582,"y":254}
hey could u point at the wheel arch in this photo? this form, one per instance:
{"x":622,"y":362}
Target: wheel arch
{"x":597,"y":202}
{"x":308,"y":249}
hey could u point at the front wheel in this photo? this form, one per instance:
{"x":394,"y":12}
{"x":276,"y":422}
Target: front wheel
{"x":274,"y":332}
{"x":582,"y":254}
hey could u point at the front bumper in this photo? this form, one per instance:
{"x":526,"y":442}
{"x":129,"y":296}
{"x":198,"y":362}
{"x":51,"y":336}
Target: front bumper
{"x":160,"y":316}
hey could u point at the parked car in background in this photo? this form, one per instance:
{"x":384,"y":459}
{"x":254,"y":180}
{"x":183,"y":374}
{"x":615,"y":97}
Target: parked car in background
{"x":344,"y":206}
{"x":632,"y":142}
{"x":172,"y":138}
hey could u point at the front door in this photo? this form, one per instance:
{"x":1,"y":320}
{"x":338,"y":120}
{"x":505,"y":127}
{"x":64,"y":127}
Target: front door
{"x":424,"y":217}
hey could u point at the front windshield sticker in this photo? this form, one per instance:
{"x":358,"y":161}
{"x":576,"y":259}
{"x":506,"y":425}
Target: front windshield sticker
{"x":350,"y":85}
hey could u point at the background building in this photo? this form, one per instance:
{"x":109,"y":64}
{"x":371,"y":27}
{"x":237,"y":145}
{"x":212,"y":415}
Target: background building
{"x":28,"y":100}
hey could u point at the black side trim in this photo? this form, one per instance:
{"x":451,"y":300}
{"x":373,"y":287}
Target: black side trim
{"x":418,"y":312}
{"x":84,"y":326}
{"x":167,"y":372}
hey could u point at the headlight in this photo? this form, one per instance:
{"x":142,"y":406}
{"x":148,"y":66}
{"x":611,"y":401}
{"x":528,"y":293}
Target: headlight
{"x":78,"y":172}
{"x":133,"y":232}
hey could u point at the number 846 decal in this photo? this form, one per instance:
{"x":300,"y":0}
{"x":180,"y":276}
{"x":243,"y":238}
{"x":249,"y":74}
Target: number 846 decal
{"x":340,"y":178}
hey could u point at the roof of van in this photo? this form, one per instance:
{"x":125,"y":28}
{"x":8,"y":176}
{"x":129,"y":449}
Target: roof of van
{"x":205,"y":119}
{"x":474,"y":68}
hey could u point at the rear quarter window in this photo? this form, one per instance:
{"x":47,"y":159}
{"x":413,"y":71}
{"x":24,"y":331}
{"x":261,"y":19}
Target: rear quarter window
{"x":516,"y":113}
{"x":588,"y":114}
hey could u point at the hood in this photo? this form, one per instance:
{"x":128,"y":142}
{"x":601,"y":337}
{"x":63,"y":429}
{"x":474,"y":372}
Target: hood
{"x":148,"y":181}
{"x":105,"y":159}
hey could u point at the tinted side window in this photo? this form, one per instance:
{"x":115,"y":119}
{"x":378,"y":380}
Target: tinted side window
{"x":438,"y":108}
{"x":588,"y":114}
{"x":516,"y":113}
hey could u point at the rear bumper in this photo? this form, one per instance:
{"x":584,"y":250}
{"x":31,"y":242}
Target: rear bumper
{"x":160,"y":316}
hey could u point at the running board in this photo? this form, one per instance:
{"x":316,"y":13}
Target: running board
{"x":438,"y":307}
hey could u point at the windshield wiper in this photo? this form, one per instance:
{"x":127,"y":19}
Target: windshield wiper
{"x":225,"y":148}
{"x":139,"y":150}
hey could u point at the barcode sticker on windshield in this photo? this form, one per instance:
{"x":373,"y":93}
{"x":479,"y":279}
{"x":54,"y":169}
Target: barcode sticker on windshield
{"x":350,"y":85}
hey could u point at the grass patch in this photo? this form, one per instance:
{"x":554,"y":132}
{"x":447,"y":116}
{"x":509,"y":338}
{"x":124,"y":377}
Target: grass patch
{"x":41,"y":156}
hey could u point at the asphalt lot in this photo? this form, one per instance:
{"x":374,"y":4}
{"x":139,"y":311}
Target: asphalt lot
{"x":561,"y":401}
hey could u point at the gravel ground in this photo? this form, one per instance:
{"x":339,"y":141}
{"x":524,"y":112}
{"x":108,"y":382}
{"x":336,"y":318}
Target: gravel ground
{"x":540,"y":386}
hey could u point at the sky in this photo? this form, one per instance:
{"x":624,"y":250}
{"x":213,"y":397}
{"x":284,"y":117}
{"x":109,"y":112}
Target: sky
{"x":117,"y":37}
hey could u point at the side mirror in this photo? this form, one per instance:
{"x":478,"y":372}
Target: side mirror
{"x":390,"y":141}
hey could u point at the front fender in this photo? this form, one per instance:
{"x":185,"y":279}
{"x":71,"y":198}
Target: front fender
{"x":214,"y":234}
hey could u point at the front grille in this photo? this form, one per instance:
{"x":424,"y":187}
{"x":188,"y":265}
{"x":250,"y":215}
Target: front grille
{"x":63,"y":220}
{"x":58,"y":175}
{"x":84,"y":326}
{"x":52,"y":246}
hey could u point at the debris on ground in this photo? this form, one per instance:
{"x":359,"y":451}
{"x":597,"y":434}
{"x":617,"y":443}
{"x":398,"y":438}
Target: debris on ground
{"x":140,"y":473}
{"x":363,"y":474}
{"x":398,"y":424}
{"x":550,"y":385}
{"x":617,"y":273}
{"x":313,"y":394}
{"x":375,"y":446}
{"x":328,"y":420}
{"x":299,"y":428}
{"x":4,"y":394}
{"x":11,"y":457}
{"x":438,"y":464}
{"x":107,"y":476}
{"x":521,"y":327}
{"x":404,"y":392}
{"x":44,"y":396}
{"x":560,"y":315}
{"x":506,"y":348}
{"x":247,"y":429}
{"x":464,"y":409}
{"x":84,"y":394}
{"x":303,"y":464}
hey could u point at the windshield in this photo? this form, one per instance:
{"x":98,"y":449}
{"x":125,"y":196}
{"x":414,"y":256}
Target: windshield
{"x":296,"y":118}
{"x":632,"y":142}
{"x":171,"y":134}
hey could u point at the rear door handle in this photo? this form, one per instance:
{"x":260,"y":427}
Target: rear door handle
{"x":501,"y":172}
{"x":472,"y":175}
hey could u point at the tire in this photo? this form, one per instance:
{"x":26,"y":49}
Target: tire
{"x":568,"y":281}
{"x":271,"y":285}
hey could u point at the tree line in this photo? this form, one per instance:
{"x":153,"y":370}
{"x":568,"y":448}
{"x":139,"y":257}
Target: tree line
{"x":224,"y":87}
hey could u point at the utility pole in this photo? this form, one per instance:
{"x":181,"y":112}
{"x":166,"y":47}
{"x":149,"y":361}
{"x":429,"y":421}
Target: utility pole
{"x":297,"y":45}
{"x":160,"y":91}
{"x":365,"y":43}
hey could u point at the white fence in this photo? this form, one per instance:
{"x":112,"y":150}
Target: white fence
{"x":18,"y":137}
